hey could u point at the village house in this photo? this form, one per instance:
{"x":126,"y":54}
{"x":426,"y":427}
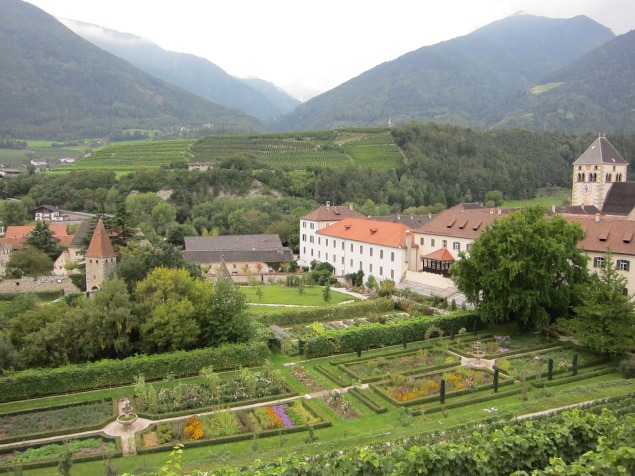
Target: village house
{"x":54,"y":214}
{"x":237,"y":255}
{"x":15,"y":236}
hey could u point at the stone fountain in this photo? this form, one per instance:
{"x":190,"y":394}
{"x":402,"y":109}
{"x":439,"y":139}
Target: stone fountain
{"x":478,"y":352}
{"x":127,"y":418}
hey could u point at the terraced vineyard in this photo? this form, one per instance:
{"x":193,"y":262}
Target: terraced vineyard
{"x":370,"y":148}
{"x":373,"y":148}
{"x":131,"y":156}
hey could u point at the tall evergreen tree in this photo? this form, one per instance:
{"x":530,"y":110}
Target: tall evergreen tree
{"x":605,"y":320}
{"x":43,"y":239}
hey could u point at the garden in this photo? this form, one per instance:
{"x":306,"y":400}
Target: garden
{"x":226,"y":425}
{"x":397,"y":387}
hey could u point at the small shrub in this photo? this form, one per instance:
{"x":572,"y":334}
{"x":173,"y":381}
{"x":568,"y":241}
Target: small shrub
{"x":627,"y":366}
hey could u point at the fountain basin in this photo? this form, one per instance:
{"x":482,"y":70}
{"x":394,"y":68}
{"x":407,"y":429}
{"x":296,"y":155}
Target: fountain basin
{"x":127,"y":420}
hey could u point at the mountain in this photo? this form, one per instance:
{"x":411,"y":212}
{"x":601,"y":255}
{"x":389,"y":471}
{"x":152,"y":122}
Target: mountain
{"x":461,"y":81}
{"x":595,"y":93}
{"x":187,"y":71}
{"x":54,"y":84}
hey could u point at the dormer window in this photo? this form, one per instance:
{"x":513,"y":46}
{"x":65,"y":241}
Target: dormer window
{"x":604,"y":235}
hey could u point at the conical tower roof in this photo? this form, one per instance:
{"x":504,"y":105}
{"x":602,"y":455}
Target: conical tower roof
{"x":100,"y":246}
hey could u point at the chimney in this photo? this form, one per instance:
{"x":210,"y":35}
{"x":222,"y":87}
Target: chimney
{"x":429,"y":216}
{"x":350,"y":206}
{"x":499,"y":211}
{"x":597,"y":218}
{"x":408,"y":239}
{"x":328,"y":204}
{"x":491,"y":211}
{"x":553,"y":208}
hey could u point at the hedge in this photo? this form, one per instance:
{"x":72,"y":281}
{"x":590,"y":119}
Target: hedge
{"x":108,"y":373}
{"x":368,"y":401}
{"x":334,"y":313}
{"x":371,"y":336}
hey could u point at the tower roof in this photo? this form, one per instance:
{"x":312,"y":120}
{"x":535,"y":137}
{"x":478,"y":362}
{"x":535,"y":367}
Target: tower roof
{"x":100,"y":246}
{"x":601,"y":152}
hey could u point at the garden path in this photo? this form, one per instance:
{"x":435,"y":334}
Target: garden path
{"x":116,"y":430}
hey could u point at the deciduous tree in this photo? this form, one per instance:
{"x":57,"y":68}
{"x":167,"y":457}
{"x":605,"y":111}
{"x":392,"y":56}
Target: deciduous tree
{"x":524,"y":267}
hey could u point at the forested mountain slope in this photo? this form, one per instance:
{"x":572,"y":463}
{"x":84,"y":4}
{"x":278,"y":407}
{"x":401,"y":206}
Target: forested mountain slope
{"x":461,"y":81}
{"x":192,"y":73}
{"x":594,"y":93}
{"x":54,"y":84}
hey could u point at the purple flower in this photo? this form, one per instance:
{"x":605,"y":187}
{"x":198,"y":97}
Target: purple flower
{"x":282,"y":414}
{"x":503,"y":349}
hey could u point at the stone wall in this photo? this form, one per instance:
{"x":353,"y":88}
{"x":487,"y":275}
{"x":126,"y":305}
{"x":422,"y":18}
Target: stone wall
{"x":41,"y":283}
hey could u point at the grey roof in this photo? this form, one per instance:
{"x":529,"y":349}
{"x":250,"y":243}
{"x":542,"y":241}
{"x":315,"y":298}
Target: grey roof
{"x":232,"y":248}
{"x":80,"y":234}
{"x":413,"y":221}
{"x":620,"y":200}
{"x":601,"y":152}
{"x":576,"y":209}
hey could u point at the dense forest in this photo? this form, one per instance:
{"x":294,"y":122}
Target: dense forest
{"x":439,"y":166}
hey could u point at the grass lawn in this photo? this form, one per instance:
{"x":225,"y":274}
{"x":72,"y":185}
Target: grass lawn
{"x":278,"y":294}
{"x":542,"y":199}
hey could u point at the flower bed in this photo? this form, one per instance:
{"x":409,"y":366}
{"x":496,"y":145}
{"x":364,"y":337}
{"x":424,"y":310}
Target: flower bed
{"x":230,"y":425}
{"x":413,"y":361}
{"x":405,"y":389}
{"x":244,"y":386}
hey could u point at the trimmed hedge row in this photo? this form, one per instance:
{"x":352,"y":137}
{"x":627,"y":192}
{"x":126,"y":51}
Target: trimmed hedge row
{"x":108,"y":373}
{"x":371,"y":336}
{"x":331,"y":376}
{"x":574,"y":378}
{"x":366,"y":400}
{"x":335,"y":313}
{"x":482,"y":399}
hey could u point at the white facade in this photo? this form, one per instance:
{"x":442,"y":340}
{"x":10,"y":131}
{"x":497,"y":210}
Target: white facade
{"x":349,"y":256}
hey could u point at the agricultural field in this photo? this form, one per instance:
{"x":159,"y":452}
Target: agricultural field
{"x":128,"y":157}
{"x":369,"y":148}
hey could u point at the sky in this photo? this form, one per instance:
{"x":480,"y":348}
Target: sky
{"x":307,"y":46}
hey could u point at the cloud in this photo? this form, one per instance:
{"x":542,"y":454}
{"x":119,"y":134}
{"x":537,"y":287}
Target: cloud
{"x":97,"y":33}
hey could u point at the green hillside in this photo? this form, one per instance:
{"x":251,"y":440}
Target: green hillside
{"x":373,"y":148}
{"x":56,"y":85}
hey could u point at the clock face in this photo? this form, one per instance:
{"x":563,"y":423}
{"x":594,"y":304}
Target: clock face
{"x":586,"y":188}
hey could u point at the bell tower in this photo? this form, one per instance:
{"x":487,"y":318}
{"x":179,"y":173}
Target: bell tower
{"x":101,"y":258}
{"x":595,"y":171}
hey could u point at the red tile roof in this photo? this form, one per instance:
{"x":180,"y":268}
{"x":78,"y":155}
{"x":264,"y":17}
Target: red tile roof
{"x":441,"y":254}
{"x":368,"y":231}
{"x":100,"y":246}
{"x":605,"y":232}
{"x":462,"y":221}
{"x":16,"y":234}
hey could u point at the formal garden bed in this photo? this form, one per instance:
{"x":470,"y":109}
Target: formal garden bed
{"x":536,"y":364}
{"x":416,"y":389}
{"x":231,"y":425}
{"x":84,"y":449}
{"x":173,"y":398}
{"x":53,"y":421}
{"x":504,"y":345}
{"x":405,"y":362}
